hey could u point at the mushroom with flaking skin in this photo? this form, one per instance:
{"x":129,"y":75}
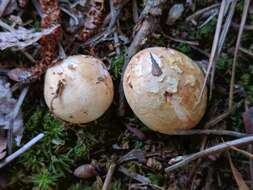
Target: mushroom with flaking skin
{"x":79,"y":89}
{"x":162,"y":86}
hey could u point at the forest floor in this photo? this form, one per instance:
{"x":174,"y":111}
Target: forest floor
{"x":35,"y":34}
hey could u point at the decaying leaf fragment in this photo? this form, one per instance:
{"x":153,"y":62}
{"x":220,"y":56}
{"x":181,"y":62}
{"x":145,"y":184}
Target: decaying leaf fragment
{"x":7,"y":105}
{"x":23,"y":37}
{"x":93,"y":19}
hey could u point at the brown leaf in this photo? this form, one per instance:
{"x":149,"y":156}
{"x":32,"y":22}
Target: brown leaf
{"x":22,"y":37}
{"x":248,"y":120}
{"x":238,"y":177}
{"x":85,"y":171}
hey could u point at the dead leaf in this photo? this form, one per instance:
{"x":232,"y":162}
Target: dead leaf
{"x":135,"y":154}
{"x":22,"y":37}
{"x":238,"y":177}
{"x":85,"y":171}
{"x":136,"y":132}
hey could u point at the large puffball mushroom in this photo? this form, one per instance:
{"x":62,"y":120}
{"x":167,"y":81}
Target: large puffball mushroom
{"x":79,"y":89}
{"x":162,"y":86}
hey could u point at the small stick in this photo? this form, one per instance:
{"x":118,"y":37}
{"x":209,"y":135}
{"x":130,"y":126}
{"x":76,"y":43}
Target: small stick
{"x":209,"y":132}
{"x":243,"y":152}
{"x":238,"y":42}
{"x":212,"y":150}
{"x":13,"y":115}
{"x":21,"y":150}
{"x":108,"y":177}
{"x":246,"y":51}
{"x":197,"y":13}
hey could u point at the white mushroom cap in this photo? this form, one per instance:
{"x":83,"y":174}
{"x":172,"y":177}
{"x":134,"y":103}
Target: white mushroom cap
{"x":162,"y":86}
{"x":79,"y":89}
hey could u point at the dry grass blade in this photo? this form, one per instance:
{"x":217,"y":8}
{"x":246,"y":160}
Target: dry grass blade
{"x":238,"y":177}
{"x":238,"y":42}
{"x":222,"y":39}
{"x":214,"y":46}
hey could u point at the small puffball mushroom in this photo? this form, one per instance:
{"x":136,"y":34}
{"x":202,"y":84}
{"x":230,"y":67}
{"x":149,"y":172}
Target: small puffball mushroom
{"x":79,"y":89}
{"x":162,"y":86}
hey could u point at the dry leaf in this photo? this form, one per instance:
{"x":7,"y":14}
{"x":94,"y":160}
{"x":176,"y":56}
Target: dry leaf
{"x":136,"y":132}
{"x":22,"y":37}
{"x":238,"y":177}
{"x":85,"y":171}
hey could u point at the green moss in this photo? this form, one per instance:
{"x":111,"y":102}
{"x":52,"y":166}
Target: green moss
{"x":116,"y":66}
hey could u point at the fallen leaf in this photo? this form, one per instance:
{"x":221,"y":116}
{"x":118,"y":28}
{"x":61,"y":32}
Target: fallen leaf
{"x":238,"y":177}
{"x":85,"y":171}
{"x":136,"y":132}
{"x":22,"y":37}
{"x":135,"y":154}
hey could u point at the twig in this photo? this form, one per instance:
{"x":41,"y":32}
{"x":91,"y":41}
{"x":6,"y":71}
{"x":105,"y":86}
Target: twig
{"x":246,"y":51}
{"x":108,"y":178}
{"x":210,"y":132}
{"x":197,"y":13}
{"x":238,"y":42}
{"x":13,"y":115}
{"x":245,"y":153}
{"x":212,"y":150}
{"x":246,"y":27}
{"x":183,"y":41}
{"x":21,"y":150}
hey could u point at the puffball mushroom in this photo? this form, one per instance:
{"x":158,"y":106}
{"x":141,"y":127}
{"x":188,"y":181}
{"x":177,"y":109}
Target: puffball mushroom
{"x":79,"y":89}
{"x":162,"y":86}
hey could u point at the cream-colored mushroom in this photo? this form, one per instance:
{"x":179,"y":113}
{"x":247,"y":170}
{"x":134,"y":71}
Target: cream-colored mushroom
{"x":162,"y":86}
{"x":79,"y":89}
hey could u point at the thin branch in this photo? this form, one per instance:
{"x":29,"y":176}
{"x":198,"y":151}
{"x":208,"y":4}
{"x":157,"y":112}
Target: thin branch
{"x":210,"y":132}
{"x":13,"y":115}
{"x":212,"y":150}
{"x":197,"y":13}
{"x":238,"y":42}
{"x":245,"y":51}
{"x":243,"y":152}
{"x":21,"y":150}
